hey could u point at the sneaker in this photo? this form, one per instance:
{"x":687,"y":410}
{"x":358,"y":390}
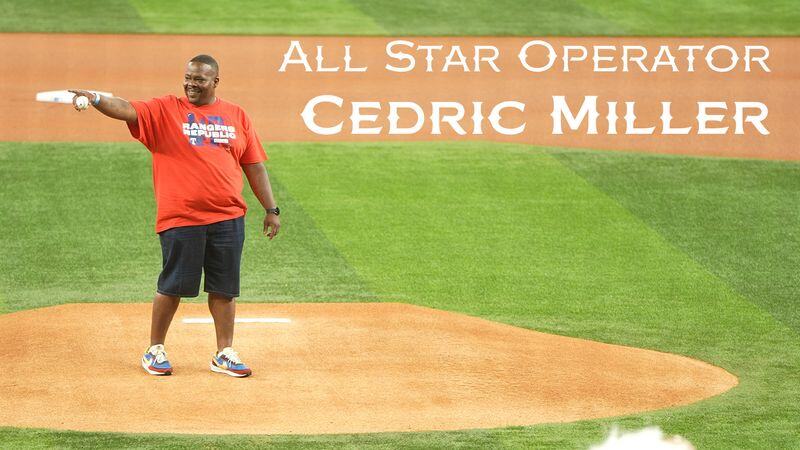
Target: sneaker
{"x":227,"y":361}
{"x":155,"y":361}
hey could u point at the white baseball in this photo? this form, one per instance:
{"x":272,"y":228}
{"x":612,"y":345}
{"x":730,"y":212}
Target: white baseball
{"x":82,"y":102}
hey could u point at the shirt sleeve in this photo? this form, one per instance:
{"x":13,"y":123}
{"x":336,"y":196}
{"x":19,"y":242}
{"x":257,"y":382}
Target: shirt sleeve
{"x":148,"y":115}
{"x":253,"y":152}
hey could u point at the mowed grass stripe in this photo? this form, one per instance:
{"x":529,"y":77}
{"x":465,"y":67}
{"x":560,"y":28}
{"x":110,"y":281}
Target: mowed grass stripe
{"x":738,"y":218}
{"x":309,"y":17}
{"x":300,"y":265}
{"x":78,"y":225}
{"x":586,"y":17}
{"x":482,"y":17}
{"x":419,"y":17}
{"x":496,"y":231}
{"x":71,"y":16}
{"x":581,"y":435}
{"x":700,"y":18}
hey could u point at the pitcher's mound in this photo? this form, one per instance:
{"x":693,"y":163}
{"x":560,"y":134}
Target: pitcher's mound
{"x":332,"y":368}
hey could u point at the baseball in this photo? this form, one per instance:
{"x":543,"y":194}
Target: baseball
{"x":82,"y":102}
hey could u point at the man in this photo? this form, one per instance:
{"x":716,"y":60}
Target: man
{"x":200,"y":144}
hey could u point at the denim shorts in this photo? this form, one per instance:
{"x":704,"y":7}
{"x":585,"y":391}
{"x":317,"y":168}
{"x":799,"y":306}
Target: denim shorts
{"x":187,"y":252}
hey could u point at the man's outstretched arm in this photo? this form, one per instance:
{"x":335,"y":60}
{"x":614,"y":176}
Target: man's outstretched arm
{"x":114,"y":107}
{"x":259,"y":183}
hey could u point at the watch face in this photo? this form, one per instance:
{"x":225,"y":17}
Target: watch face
{"x":275,"y":210}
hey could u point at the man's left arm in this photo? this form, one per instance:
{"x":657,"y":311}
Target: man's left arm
{"x":259,"y":183}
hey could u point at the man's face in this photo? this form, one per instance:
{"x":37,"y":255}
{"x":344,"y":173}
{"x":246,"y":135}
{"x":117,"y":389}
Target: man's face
{"x":200,"y":83}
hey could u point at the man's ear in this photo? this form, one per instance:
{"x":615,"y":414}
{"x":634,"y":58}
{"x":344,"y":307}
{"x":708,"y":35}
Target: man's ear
{"x":216,"y":81}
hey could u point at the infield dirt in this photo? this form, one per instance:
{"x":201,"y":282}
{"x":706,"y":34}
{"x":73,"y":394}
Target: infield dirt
{"x":335,"y":368}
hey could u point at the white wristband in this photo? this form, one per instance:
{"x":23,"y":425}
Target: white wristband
{"x":96,"y":99}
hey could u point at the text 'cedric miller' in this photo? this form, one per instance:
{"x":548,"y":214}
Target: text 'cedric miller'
{"x":370,"y":118}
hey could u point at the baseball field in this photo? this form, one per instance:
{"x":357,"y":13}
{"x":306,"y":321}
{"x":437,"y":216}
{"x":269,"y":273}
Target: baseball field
{"x":688,"y":255}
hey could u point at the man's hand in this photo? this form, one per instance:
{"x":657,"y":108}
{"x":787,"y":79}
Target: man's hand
{"x":81,"y":92}
{"x":259,"y":182}
{"x":271,"y":225}
{"x":114,"y":107}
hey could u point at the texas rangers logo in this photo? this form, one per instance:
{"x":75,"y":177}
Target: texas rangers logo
{"x":208,"y":131}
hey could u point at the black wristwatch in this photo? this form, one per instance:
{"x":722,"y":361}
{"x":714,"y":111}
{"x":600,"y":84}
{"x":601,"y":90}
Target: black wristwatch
{"x":275,"y":210}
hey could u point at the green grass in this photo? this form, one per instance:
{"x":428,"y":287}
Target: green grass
{"x":701,"y":17}
{"x":426,"y":17}
{"x":615,"y":247}
{"x":546,"y":436}
{"x":737,"y":218}
{"x":257,"y":17}
{"x":83,"y":230}
{"x":70,"y":16}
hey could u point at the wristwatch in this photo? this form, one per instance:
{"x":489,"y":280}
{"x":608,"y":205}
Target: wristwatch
{"x":275,"y":210}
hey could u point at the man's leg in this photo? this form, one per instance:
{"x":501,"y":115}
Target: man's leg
{"x":164,"y":307}
{"x":223,"y":310}
{"x":182,"y":251}
{"x":155,"y":360}
{"x":222,"y":263}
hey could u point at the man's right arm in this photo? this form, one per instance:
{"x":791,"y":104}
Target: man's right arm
{"x":114,"y":107}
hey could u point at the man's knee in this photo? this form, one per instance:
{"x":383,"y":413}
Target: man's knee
{"x":160,"y":296}
{"x":222,"y":296}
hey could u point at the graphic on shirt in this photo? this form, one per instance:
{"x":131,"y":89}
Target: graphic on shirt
{"x":209,"y":130}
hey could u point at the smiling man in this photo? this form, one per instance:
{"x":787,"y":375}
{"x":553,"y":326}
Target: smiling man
{"x":200,"y":145}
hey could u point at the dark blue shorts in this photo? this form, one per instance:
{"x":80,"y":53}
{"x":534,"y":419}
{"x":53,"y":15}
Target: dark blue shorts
{"x":187,"y":252}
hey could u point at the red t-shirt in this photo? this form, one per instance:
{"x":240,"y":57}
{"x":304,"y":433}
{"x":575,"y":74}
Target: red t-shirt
{"x":197,"y":156}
